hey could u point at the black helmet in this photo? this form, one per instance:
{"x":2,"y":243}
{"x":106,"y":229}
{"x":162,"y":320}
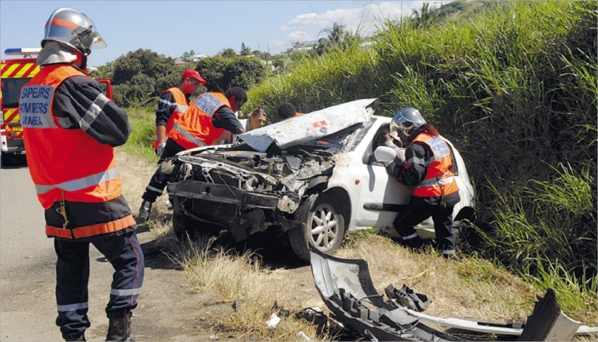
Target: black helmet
{"x":407,"y":120}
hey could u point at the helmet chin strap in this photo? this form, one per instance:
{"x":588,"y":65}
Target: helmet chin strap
{"x":81,"y":60}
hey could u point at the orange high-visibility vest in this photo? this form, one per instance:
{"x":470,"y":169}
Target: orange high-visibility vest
{"x":439,"y":180}
{"x":194,"y":127}
{"x":181,"y":105}
{"x":67,"y":164}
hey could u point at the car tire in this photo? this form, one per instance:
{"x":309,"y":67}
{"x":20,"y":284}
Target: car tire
{"x":324,"y":229}
{"x":184,"y":227}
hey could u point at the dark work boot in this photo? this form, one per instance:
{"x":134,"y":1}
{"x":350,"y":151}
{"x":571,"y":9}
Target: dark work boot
{"x":119,"y":328}
{"x":144,"y":211}
{"x":78,"y":337}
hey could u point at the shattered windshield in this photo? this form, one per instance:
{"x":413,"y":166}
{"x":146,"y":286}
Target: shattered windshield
{"x":338,"y":140}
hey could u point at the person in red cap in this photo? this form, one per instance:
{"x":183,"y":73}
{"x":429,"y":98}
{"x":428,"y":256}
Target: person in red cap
{"x":173,"y":100}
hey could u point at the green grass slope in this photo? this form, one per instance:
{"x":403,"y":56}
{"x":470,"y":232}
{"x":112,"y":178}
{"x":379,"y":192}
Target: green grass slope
{"x":513,"y":85}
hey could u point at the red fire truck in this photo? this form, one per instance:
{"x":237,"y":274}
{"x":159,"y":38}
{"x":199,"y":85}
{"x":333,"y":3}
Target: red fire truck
{"x":16,"y":72}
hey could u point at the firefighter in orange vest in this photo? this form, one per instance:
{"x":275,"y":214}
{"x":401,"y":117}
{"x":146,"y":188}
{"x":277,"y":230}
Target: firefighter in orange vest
{"x":174,"y":100}
{"x":70,"y":131}
{"x":426,"y":166}
{"x":210,"y":115}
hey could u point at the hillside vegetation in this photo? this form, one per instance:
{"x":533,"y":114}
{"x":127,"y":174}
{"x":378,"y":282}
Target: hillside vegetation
{"x":514,"y":87}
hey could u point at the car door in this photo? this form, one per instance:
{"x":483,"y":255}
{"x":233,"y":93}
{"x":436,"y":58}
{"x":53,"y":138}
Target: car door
{"x":380,"y":197}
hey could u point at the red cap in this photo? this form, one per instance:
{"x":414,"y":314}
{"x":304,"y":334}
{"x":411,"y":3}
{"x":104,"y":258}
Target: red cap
{"x":193,"y":74}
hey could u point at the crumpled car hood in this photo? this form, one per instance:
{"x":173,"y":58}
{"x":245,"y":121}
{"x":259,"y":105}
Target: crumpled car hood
{"x":314,"y":125}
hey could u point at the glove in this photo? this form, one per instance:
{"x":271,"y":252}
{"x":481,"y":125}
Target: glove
{"x":160,"y":149}
{"x":400,"y":158}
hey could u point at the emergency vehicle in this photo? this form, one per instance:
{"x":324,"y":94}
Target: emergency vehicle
{"x":16,"y":72}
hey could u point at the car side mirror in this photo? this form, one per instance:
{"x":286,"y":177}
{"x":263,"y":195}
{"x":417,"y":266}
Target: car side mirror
{"x":385,"y":154}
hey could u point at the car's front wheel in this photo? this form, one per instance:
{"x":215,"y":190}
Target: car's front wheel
{"x":183,"y":226}
{"x":324,"y":228}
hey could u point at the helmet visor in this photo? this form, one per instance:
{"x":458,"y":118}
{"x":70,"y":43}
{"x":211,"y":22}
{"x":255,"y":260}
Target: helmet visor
{"x":80,"y":32}
{"x":97,"y":42}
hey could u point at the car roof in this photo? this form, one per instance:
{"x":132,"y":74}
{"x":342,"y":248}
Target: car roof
{"x":310,"y":126}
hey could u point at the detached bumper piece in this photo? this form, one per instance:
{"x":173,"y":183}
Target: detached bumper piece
{"x":346,"y":287}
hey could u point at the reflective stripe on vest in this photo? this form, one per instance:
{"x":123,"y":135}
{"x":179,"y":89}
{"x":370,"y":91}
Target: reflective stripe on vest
{"x":188,"y":135}
{"x":194,"y":127}
{"x":94,"y":110}
{"x":81,"y":183}
{"x":68,"y":165}
{"x":439,"y":181}
{"x":181,"y":106}
{"x":52,"y":151}
{"x":88,"y":231}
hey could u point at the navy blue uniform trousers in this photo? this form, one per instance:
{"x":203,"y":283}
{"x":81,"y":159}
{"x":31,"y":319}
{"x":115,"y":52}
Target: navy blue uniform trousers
{"x":72,"y":276}
{"x":443,"y":225}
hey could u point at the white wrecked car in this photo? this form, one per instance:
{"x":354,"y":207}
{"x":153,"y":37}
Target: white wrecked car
{"x":313,"y":176}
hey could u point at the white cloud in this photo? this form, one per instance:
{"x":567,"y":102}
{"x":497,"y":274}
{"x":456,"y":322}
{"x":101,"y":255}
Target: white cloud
{"x":311,"y":26}
{"x":299,"y":36}
{"x":364,"y":18}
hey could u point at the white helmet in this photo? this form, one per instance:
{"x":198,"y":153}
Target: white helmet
{"x":73,"y":28}
{"x":408,"y":121}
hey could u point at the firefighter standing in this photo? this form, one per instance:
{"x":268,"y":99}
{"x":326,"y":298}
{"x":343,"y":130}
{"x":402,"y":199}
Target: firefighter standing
{"x":174,"y":100}
{"x":426,"y":166}
{"x":202,"y":124}
{"x":71,"y":128}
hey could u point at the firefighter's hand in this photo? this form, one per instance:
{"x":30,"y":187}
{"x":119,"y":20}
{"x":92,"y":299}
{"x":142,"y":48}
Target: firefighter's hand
{"x":400,"y":158}
{"x":160,"y":149}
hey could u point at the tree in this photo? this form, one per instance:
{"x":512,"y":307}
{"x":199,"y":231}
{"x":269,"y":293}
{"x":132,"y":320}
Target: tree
{"x":103,"y":71}
{"x":338,"y":38}
{"x":223,"y":73}
{"x":244,"y":72}
{"x":425,"y":17}
{"x":245,"y":51}
{"x":188,"y":56}
{"x":228,"y":52}
{"x":140,"y":76}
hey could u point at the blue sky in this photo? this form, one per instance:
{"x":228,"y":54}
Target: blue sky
{"x":171,"y":28}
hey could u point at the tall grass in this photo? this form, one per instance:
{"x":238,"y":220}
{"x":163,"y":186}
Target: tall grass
{"x":514,"y":87}
{"x":141,"y":141}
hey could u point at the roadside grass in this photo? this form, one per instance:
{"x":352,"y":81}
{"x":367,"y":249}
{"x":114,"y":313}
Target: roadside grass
{"x":515,"y":90}
{"x":141,"y":141}
{"x":243,"y":280}
{"x":472,"y":287}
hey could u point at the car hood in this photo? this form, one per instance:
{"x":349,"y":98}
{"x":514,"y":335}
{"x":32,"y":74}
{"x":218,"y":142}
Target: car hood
{"x":314,"y":125}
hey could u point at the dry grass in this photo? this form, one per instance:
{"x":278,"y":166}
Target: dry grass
{"x":222,"y":273}
{"x":470,"y":288}
{"x":234,"y":278}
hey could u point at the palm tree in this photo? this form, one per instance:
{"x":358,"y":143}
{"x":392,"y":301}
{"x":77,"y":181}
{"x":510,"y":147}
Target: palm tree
{"x":425,"y":17}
